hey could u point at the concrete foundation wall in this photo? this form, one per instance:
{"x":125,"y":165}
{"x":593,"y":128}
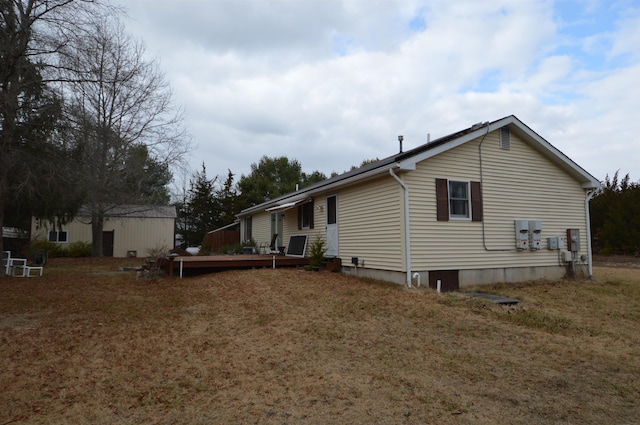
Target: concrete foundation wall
{"x":509,"y":275}
{"x":386,"y":275}
{"x":469,"y":278}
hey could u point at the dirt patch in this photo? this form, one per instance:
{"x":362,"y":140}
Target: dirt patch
{"x":289,"y":347}
{"x":30,"y":320}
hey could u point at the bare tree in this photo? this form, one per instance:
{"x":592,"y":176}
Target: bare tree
{"x":32,"y":33}
{"x":126,"y":128}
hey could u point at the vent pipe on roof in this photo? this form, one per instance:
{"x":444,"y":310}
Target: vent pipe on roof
{"x":428,"y":137}
{"x":400,"y":139}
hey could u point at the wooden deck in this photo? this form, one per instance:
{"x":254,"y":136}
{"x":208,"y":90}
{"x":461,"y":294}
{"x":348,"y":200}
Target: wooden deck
{"x":207,"y":263}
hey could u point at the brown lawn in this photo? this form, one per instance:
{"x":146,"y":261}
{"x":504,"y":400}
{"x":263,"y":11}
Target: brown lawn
{"x":89,"y":344}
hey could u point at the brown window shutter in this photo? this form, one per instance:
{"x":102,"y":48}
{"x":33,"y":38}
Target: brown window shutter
{"x":442,"y":200}
{"x":299,"y":216}
{"x":311,"y":214}
{"x":476,"y":201}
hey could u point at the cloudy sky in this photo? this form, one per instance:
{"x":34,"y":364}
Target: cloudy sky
{"x":334,"y":82}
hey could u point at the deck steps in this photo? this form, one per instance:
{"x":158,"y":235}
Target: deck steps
{"x":332,"y":264}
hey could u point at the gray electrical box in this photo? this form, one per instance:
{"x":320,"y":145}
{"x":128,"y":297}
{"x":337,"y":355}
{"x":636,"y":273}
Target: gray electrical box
{"x":553,"y":242}
{"x":522,"y":233}
{"x":573,"y":240}
{"x":535,"y":234}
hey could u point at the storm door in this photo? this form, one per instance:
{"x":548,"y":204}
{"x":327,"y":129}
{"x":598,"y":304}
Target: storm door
{"x":332,"y":226}
{"x":277,"y":220}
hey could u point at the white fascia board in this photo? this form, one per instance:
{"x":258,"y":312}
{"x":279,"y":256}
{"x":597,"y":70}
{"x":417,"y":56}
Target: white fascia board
{"x":287,"y":205}
{"x":554,"y":154}
{"x":302,"y":195}
{"x":409,"y":164}
{"x":541,"y":145}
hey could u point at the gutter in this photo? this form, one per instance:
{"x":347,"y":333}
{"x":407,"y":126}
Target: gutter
{"x":312,"y":190}
{"x":407,"y":227}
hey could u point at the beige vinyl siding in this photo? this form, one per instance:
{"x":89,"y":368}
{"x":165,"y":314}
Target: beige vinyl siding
{"x":517,"y":184}
{"x":140,"y":234}
{"x":261,"y":230}
{"x":130,"y":234}
{"x":290,"y":224}
{"x":262,"y":224}
{"x":371,"y":224}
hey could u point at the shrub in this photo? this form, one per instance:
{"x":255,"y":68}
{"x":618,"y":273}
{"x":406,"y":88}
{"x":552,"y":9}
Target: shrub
{"x":205,"y":247}
{"x":158,"y":251}
{"x":53,"y":250}
{"x":231,"y":249}
{"x":317,"y":252}
{"x":79,"y":249}
{"x":250,"y":242}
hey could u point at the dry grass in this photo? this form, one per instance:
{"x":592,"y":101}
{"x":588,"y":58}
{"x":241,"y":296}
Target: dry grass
{"x":86,"y":344}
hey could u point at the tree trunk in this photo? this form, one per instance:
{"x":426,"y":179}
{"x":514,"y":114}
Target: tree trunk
{"x":1,"y":221}
{"x":97,"y":226}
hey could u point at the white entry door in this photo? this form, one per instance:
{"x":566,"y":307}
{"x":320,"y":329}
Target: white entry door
{"x":332,"y":226}
{"x":277,"y":220}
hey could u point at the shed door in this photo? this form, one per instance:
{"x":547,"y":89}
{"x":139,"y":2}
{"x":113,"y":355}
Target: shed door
{"x":332,"y":226}
{"x":107,"y":243}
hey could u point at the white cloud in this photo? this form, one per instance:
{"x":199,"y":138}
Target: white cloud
{"x":332,"y":83}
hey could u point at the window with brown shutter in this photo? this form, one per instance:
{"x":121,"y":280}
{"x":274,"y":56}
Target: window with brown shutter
{"x":305,"y":215}
{"x":476,"y":201}
{"x":442,"y":199}
{"x":458,"y":200}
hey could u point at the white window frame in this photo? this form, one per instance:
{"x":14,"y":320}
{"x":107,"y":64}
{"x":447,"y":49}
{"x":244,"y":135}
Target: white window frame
{"x":248,"y":228}
{"x":307,"y":212}
{"x":57,"y":238}
{"x":459,"y":217}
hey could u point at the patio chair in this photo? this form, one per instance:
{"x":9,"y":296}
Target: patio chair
{"x":270,"y":248}
{"x":6,"y":257}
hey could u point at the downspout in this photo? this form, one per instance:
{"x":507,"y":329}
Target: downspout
{"x":407,"y":227}
{"x":590,"y":194}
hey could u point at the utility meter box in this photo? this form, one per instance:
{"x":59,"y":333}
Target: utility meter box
{"x":535,"y":234}
{"x":573,"y":240}
{"x":522,"y":233}
{"x":562,"y":242}
{"x":553,"y":242}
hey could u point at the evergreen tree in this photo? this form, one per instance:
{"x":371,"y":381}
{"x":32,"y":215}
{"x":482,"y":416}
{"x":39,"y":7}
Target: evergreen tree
{"x":199,"y":211}
{"x":228,"y":201}
{"x":273,"y":177}
{"x":32,"y":33}
{"x":615,"y":217}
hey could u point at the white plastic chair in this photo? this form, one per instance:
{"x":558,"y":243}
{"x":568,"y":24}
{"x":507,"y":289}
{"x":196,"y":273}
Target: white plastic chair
{"x":6,"y":260}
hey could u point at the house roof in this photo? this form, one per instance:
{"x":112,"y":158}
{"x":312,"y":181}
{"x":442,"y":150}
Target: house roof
{"x":407,"y":161}
{"x":227,"y":227}
{"x":135,"y":211}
